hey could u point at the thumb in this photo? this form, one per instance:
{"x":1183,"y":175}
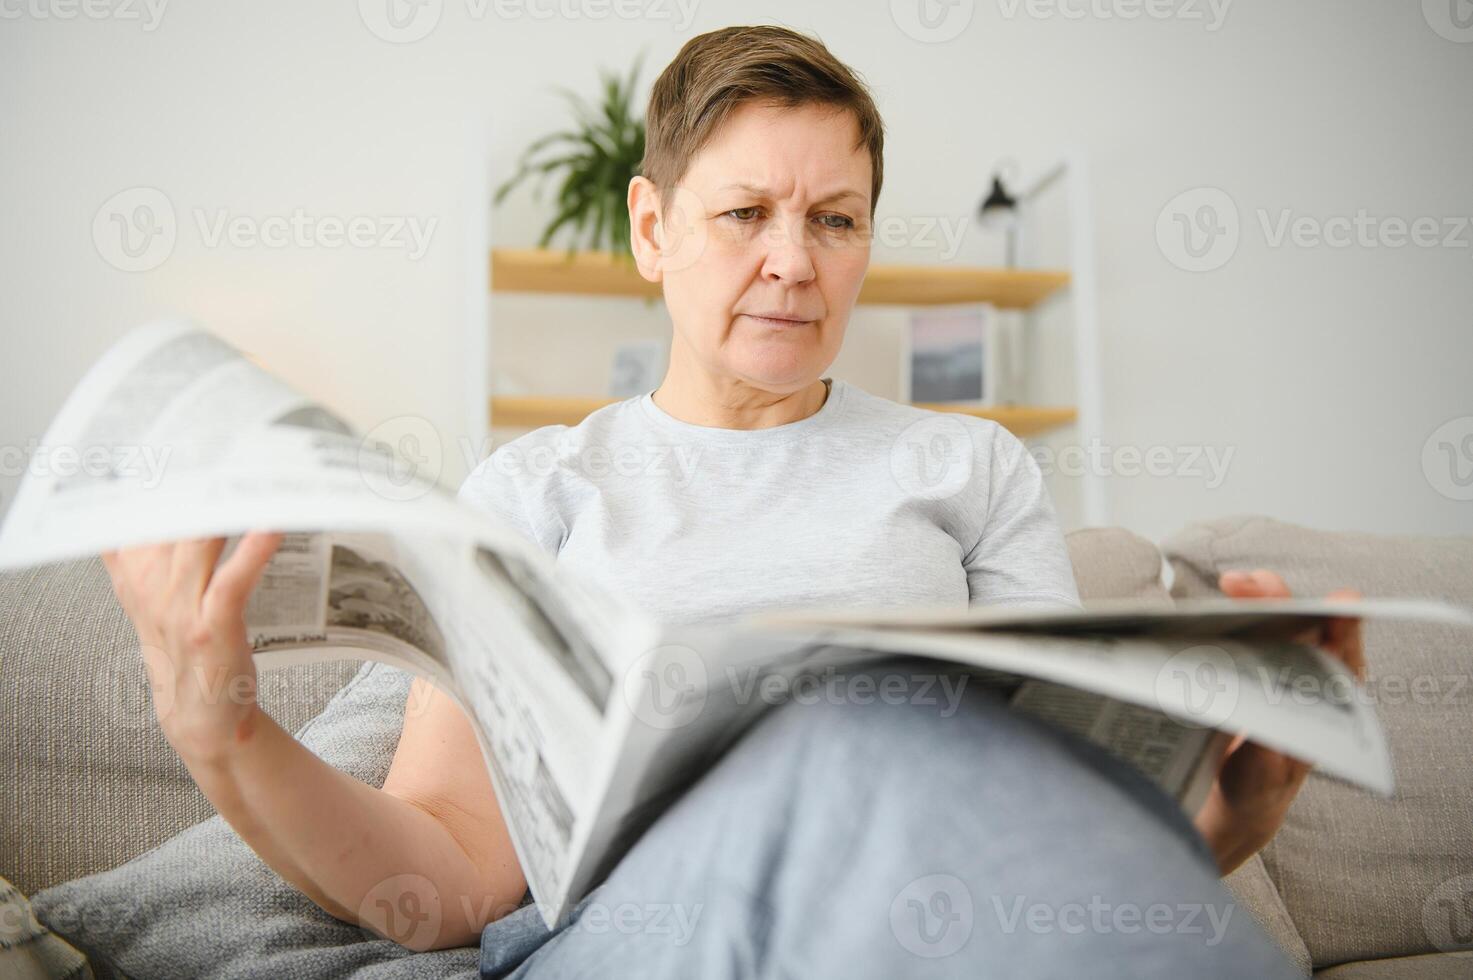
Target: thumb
{"x":1258,"y":583}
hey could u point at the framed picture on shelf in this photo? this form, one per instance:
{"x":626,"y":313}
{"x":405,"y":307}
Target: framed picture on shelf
{"x":639,"y":366}
{"x":952,"y":355}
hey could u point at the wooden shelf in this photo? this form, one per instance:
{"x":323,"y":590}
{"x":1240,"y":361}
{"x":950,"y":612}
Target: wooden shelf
{"x":927,"y":285}
{"x":536,"y":270}
{"x":535,"y":411}
{"x":516,"y":270}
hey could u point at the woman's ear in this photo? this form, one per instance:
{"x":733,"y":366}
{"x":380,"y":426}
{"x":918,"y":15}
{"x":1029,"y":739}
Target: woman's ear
{"x":645,"y":231}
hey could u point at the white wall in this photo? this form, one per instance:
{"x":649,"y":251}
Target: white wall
{"x":1323,"y":370}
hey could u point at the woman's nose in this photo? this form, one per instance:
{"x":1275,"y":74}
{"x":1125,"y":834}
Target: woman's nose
{"x":788,"y":248}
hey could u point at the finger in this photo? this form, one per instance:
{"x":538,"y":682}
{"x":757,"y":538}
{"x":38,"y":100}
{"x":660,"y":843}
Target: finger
{"x":1238,"y":584}
{"x":1344,"y":636}
{"x":114,"y":566}
{"x":1271,"y":583}
{"x":1259,"y":583}
{"x":194,"y":563}
{"x":1220,"y":746}
{"x":1254,"y":764}
{"x":233,"y":582}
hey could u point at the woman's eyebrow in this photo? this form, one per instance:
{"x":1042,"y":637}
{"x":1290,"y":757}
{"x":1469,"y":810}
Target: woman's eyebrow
{"x":763,"y":192}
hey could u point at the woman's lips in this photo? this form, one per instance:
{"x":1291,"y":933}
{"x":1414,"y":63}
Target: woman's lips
{"x":775,"y":322}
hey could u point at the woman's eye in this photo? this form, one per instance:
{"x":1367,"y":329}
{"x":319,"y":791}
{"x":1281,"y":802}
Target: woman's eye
{"x":829,"y":222}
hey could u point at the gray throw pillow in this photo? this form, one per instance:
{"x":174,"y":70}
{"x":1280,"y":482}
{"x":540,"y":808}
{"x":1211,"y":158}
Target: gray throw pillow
{"x":202,"y":904}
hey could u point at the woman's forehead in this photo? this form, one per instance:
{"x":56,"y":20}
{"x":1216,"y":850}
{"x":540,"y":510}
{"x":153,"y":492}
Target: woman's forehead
{"x":814,"y":154}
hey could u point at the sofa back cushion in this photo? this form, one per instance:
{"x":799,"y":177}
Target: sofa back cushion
{"x":87,"y":780}
{"x":1113,"y":563}
{"x":1364,"y":877}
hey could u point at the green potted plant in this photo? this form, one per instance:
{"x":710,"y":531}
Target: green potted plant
{"x":596,"y":160}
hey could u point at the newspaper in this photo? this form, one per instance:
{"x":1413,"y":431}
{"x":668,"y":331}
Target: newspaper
{"x":592,"y":717}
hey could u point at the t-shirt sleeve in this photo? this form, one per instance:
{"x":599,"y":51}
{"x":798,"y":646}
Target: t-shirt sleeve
{"x":500,"y":486}
{"x":1020,"y":556}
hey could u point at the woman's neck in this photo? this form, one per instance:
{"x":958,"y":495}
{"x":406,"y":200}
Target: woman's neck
{"x":736,"y":405}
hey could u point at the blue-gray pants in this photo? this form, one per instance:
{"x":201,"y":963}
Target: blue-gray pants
{"x":894,"y":840}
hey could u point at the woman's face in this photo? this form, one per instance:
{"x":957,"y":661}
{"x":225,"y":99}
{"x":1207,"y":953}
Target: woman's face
{"x":765,"y":245}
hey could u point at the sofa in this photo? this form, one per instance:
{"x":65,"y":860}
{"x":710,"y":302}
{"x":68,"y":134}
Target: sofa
{"x":94,"y":801}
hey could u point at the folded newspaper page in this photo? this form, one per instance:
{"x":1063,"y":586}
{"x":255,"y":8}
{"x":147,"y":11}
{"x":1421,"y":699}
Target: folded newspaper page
{"x":592,"y":717}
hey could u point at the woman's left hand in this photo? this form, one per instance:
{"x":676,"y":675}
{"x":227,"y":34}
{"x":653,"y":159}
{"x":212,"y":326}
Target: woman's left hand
{"x":1255,"y":785}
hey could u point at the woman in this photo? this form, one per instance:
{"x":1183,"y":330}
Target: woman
{"x":857,"y":839}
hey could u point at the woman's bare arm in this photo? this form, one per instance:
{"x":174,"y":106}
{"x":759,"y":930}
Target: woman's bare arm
{"x":425,"y":861}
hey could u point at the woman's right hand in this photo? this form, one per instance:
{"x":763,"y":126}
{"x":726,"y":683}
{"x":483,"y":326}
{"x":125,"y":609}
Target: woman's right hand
{"x":190,"y":620}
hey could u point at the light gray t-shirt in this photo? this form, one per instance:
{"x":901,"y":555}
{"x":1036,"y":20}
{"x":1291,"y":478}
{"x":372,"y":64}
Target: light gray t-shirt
{"x":866,"y":502}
